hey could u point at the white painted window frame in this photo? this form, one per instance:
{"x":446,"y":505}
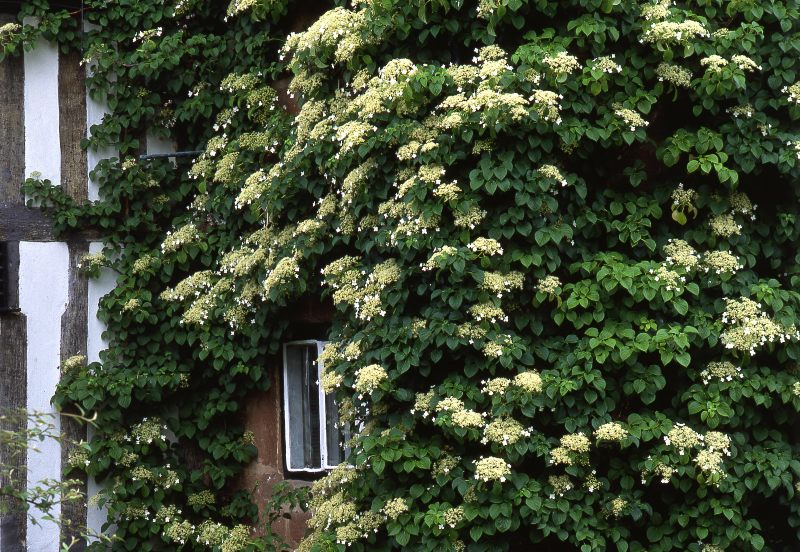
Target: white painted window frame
{"x":323,"y":426}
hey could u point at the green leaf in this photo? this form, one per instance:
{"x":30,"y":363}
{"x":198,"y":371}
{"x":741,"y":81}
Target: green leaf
{"x":679,"y":217}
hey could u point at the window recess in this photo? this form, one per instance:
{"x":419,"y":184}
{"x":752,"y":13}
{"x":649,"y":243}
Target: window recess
{"x":314,"y":438}
{"x":9,"y":264}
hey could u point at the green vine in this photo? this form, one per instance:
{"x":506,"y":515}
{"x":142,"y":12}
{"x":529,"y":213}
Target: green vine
{"x":560,"y":239}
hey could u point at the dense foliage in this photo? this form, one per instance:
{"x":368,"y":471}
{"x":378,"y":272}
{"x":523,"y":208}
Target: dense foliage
{"x":560,"y":238}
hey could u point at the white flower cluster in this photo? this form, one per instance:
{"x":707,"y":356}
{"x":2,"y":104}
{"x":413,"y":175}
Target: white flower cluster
{"x":492,"y":468}
{"x":680,"y":253}
{"x":285,"y":272}
{"x":488,"y":312}
{"x":485,"y":246}
{"x":504,"y":431}
{"x":661,"y":470}
{"x":740,"y":203}
{"x":549,"y":285}
{"x":718,"y":442}
{"x":142,"y":36}
{"x":674,"y":74}
{"x":175,"y":240}
{"x":529,"y":381}
{"x":358,"y":288}
{"x":725,"y":226}
{"x":669,"y":32}
{"x":450,"y":404}
{"x":721,"y":262}
{"x":745,"y":63}
{"x":749,"y":327}
{"x":714,"y":63}
{"x":552,"y":172}
{"x":571,"y":447}
{"x":499,"y":283}
{"x":438,"y":258}
{"x":710,"y":462}
{"x":497,"y":347}
{"x":611,"y":431}
{"x":562,"y":63}
{"x":466,"y":418}
{"x":631,"y":119}
{"x":792,"y":93}
{"x":353,"y":133}
{"x":338,"y":29}
{"x":395,"y":507}
{"x":9,"y":29}
{"x":369,"y":378}
{"x":147,"y":431}
{"x":495,"y":386}
{"x":331,"y":381}
{"x":607,"y":64}
{"x":561,"y":484}
{"x":683,"y":438}
{"x":795,"y":145}
{"x":657,"y":11}
{"x":741,"y":111}
{"x":711,"y":448}
{"x":671,"y":279}
{"x":617,"y":507}
{"x":547,"y":104}
{"x":453,"y":517}
{"x":722,"y":371}
{"x":683,"y":197}
{"x":73,"y":363}
{"x":486,"y":8}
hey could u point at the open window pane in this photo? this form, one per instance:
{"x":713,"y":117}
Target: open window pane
{"x":302,"y":407}
{"x":337,"y":434}
{"x":314,"y":437}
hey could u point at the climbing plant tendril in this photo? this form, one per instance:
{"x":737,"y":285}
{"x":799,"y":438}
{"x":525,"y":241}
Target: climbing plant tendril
{"x":560,"y":238}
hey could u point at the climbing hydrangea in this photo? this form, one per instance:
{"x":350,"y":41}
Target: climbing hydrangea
{"x":611,"y":431}
{"x":748,"y":327}
{"x":492,"y":468}
{"x":722,"y":371}
{"x":450,"y":195}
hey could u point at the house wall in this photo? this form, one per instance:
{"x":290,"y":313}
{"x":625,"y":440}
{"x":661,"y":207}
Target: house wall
{"x":263,"y":416}
{"x":44,"y":114}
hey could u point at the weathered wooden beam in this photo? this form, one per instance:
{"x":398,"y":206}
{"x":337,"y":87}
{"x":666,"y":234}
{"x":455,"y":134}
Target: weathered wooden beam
{"x":13,"y":327}
{"x":74,"y":334}
{"x":21,"y":223}
{"x":12,"y":126}
{"x":13,"y":398}
{"x":72,"y":125}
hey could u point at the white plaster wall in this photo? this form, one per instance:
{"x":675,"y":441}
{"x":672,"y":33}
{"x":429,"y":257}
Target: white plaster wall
{"x":42,"y":140}
{"x":43,"y":296}
{"x":95,"y":110}
{"x":98,"y":287}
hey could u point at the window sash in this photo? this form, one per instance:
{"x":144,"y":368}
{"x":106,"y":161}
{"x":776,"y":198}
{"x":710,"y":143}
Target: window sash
{"x":327,"y":430}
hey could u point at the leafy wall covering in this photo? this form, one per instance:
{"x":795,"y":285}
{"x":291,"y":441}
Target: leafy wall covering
{"x":560,"y":238}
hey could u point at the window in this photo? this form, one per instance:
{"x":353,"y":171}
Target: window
{"x":313,"y":435}
{"x":8,"y":284}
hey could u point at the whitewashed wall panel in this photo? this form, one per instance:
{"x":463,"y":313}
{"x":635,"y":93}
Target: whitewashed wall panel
{"x":43,"y":296}
{"x":42,"y":140}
